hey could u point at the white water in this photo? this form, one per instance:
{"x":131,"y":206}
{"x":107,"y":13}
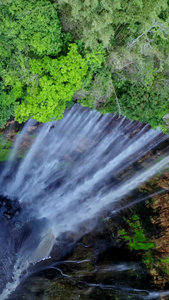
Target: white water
{"x":70,"y":176}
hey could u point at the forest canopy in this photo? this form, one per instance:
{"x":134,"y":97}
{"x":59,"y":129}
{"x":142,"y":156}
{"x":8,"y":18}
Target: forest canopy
{"x":109,"y":55}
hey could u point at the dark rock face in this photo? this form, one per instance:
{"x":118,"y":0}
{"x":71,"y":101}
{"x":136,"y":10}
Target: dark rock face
{"x":96,"y":266}
{"x":9,"y":209}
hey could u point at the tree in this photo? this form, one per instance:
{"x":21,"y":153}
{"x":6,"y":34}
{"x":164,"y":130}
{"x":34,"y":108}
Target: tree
{"x":36,"y":78}
{"x":56,"y":81}
{"x":7,"y":105}
{"x":32,"y":27}
{"x":108,"y":21}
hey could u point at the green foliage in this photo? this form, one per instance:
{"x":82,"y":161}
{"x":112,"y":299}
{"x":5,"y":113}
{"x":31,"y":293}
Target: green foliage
{"x":139,"y":103}
{"x":7,"y":103}
{"x":87,"y":102}
{"x":95,"y":61}
{"x":29,"y":29}
{"x":135,"y":35}
{"x":96,"y":58}
{"x":138,"y":240}
{"x":57,"y":80}
{"x":165,"y":260}
{"x":123,"y":66}
{"x":30,"y":26}
{"x":101,"y":89}
{"x":39,"y":77}
{"x":148,"y":259}
{"x":108,"y":21}
{"x":4,"y":148}
{"x":163,"y":264}
{"x":7,"y":106}
{"x":97,"y":84}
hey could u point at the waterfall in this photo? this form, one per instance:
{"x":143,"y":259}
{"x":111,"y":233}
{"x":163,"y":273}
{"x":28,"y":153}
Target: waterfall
{"x":76,"y":169}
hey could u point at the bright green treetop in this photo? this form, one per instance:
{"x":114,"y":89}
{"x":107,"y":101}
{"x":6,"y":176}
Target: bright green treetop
{"x":30,"y":26}
{"x":55,"y":82}
{"x":36,"y":78}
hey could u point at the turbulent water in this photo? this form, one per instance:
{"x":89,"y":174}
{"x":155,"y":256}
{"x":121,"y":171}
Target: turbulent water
{"x":76,"y":170}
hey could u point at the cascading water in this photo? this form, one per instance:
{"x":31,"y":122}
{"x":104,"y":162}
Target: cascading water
{"x":69,"y":177}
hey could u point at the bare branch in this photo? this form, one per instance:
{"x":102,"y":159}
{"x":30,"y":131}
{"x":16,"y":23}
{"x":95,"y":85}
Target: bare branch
{"x":155,"y":24}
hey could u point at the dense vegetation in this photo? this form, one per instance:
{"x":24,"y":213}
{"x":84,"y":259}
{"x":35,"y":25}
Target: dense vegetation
{"x":110,"y":55}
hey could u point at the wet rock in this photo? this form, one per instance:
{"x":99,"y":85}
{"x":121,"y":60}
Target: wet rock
{"x":8,"y":215}
{"x":166,"y":120}
{"x":18,"y":224}
{"x":17,"y":212}
{"x":37,"y":284}
{"x":159,"y":268}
